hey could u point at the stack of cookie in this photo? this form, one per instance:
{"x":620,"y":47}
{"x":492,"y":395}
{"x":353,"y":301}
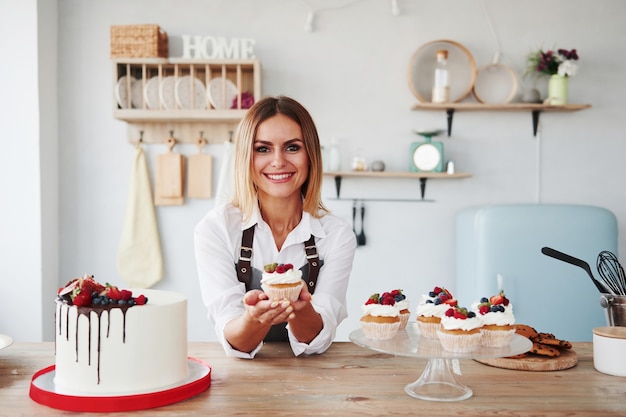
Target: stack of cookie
{"x":544,"y":344}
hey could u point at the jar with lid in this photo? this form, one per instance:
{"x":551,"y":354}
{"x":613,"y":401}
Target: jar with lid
{"x":441,"y":87}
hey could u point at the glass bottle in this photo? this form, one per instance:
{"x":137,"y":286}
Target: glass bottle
{"x":441,"y":88}
{"x":334,"y":163}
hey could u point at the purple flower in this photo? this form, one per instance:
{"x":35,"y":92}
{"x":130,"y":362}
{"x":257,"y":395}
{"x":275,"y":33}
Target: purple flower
{"x":247,"y":100}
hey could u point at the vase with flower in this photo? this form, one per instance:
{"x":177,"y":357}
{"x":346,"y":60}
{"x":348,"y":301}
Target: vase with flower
{"x":560,"y":66}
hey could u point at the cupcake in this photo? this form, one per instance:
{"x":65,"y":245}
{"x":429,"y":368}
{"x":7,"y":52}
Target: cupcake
{"x":381,"y":317}
{"x":281,"y":281}
{"x":496,"y":313}
{"x":402,"y":304}
{"x":460,"y":330}
{"x":431,"y":308}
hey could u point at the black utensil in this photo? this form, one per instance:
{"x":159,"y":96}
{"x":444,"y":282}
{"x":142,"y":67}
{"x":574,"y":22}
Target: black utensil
{"x":354,"y":219}
{"x":360,"y":239}
{"x":576,"y":262}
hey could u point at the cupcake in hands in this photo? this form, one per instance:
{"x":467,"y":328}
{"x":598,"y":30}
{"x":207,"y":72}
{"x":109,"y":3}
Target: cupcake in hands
{"x":460,"y":330}
{"x":281,"y":282}
{"x":381,"y":317}
{"x":431,"y":309}
{"x":498,"y":320}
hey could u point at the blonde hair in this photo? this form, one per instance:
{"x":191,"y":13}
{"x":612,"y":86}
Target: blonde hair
{"x":245,"y":196}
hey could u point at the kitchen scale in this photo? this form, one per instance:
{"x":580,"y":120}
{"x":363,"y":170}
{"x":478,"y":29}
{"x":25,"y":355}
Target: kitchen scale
{"x":427,"y":156}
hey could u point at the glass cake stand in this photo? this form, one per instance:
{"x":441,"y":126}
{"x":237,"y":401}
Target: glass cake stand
{"x":437,"y":382}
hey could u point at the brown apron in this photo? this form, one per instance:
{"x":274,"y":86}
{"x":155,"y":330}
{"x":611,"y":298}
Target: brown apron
{"x":252,"y":277}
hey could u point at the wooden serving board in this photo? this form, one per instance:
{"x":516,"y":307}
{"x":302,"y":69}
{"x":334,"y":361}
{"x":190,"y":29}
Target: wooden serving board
{"x":566,"y":360}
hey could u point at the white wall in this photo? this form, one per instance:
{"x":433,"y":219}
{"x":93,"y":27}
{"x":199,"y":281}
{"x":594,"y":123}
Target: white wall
{"x":351,"y":72}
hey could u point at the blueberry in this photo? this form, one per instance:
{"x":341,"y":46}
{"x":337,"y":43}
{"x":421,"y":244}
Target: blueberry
{"x":437,"y":301}
{"x":471,"y":314}
{"x":484,"y":300}
{"x":96,"y":299}
{"x":432,"y":294}
{"x":104,"y":301}
{"x":131,"y":302}
{"x":429,"y":301}
{"x":122,"y":302}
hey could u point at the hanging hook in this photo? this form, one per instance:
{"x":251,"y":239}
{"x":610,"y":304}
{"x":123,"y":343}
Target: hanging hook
{"x":140,"y":140}
{"x":171,"y":141}
{"x":201,"y":141}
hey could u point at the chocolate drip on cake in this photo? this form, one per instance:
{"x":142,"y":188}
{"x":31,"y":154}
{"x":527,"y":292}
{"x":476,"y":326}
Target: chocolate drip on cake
{"x":86,"y":311}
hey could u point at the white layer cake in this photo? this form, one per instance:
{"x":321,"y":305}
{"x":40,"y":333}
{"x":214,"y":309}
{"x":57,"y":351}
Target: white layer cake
{"x":115,"y":351}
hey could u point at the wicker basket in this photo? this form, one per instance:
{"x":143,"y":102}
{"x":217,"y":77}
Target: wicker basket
{"x":138,"y":41}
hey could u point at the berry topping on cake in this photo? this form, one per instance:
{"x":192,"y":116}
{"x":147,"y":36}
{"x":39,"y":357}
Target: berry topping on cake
{"x":493,"y":304}
{"x":86,"y":291}
{"x":385,"y":299}
{"x":278,"y":268}
{"x":499,"y":299}
{"x":397,"y":295}
{"x":460,"y":313}
{"x":441,"y":296}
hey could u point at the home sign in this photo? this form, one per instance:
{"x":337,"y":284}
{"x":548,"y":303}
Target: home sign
{"x":212,"y":47}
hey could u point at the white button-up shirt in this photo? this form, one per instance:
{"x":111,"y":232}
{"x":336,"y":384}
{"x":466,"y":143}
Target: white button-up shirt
{"x":217,"y":244}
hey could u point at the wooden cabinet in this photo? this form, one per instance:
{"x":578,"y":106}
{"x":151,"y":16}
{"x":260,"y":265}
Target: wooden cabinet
{"x":159,"y":97}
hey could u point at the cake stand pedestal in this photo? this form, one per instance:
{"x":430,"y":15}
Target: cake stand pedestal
{"x":437,"y":382}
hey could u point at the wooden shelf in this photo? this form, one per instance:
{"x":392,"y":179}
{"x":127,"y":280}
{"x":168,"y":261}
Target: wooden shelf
{"x":155,"y":125}
{"x":534,"y":108}
{"x":422,"y":176}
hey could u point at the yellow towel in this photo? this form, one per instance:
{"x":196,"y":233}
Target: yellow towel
{"x":139,"y":259}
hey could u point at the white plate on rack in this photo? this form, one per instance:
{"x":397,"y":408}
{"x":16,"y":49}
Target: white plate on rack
{"x":167,"y":93}
{"x":5,"y":341}
{"x":190,"y":93}
{"x":136,"y":94}
{"x":221,"y":93}
{"x":121,"y":91}
{"x":151,"y":93}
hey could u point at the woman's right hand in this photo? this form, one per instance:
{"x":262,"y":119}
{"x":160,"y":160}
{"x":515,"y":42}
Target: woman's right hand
{"x":268,"y":312}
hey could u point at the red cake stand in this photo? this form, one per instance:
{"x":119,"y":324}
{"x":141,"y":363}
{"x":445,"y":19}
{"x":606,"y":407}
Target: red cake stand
{"x":43,"y":391}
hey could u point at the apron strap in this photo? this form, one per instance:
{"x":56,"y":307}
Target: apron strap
{"x":244,"y":268}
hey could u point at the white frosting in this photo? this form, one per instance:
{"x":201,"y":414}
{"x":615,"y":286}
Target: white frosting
{"x":291,"y":276}
{"x":380,"y":310}
{"x":153,"y":356}
{"x":450,"y":323}
{"x":402,"y":305}
{"x":430,"y":309}
{"x":498,"y":318}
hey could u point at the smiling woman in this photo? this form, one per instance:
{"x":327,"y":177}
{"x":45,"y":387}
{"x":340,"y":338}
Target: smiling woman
{"x":276,"y":216}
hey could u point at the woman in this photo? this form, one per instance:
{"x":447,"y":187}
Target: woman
{"x":276,"y":215}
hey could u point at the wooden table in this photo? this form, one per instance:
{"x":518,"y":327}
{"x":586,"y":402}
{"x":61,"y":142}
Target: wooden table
{"x":346,"y":380}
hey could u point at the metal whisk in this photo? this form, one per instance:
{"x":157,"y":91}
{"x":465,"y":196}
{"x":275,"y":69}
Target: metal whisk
{"x":611,"y":272}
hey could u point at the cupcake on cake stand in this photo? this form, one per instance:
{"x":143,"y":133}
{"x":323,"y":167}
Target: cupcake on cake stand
{"x":437,"y":382}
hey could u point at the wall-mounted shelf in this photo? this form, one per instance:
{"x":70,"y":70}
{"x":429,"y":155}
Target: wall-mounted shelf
{"x":422,"y":176}
{"x":151,"y":111}
{"x":535,"y":109}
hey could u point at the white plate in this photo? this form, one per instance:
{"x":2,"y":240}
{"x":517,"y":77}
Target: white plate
{"x":167,"y":92}
{"x":5,"y":341}
{"x":190,"y":94}
{"x":222,"y":92}
{"x":136,"y":94}
{"x":151,"y":93}
{"x":461,"y":66}
{"x":121,"y":91}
